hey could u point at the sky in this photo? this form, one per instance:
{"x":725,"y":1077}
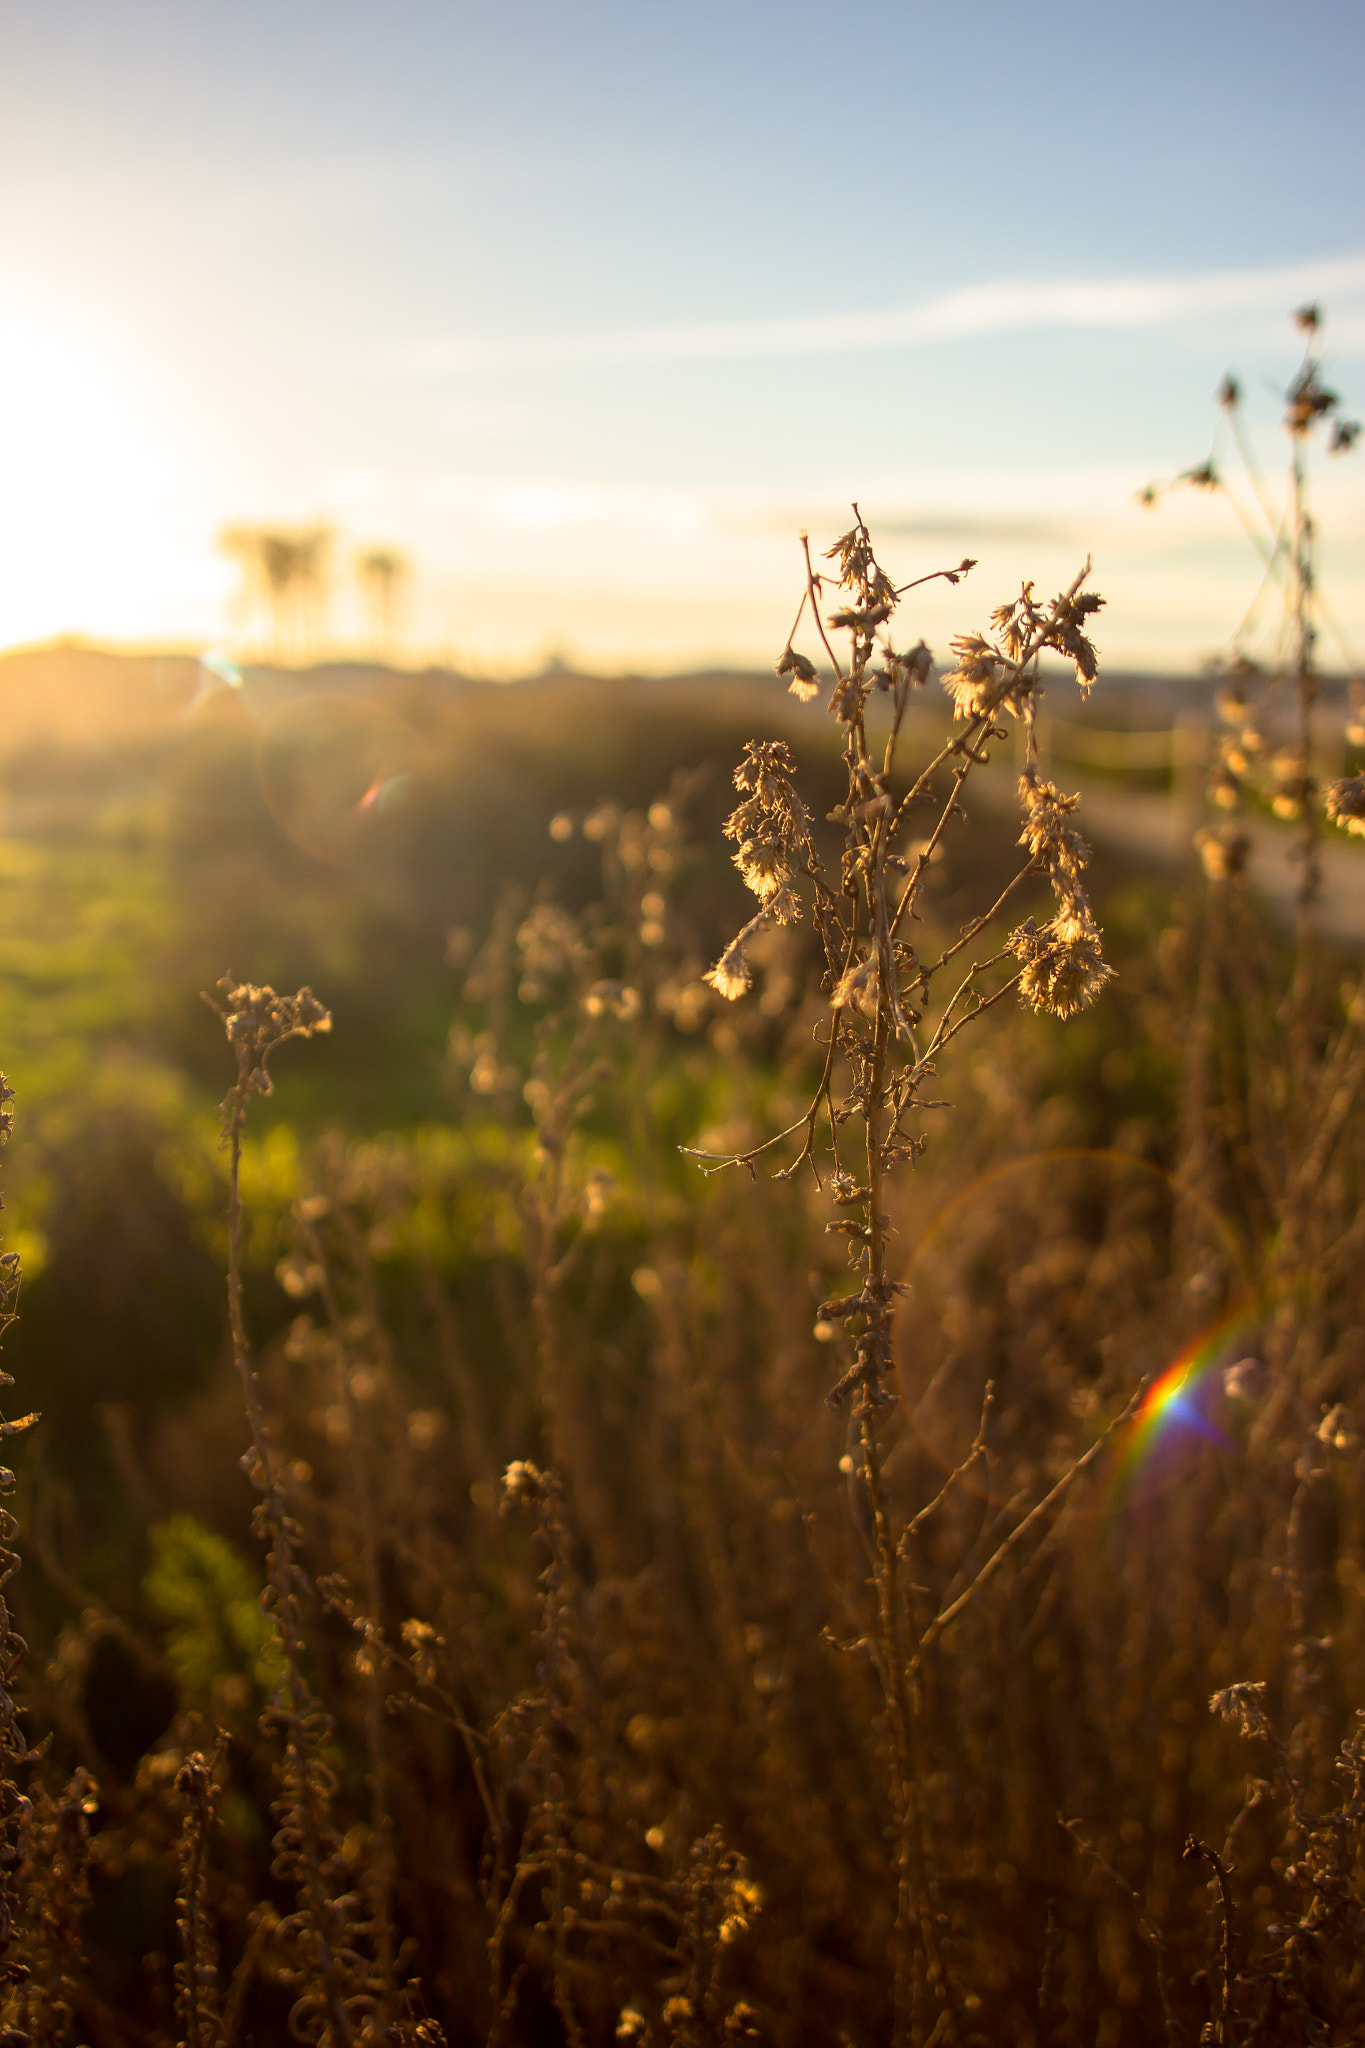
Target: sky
{"x":590,"y":308}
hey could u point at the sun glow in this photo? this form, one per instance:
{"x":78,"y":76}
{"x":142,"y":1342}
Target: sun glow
{"x":91,"y":514}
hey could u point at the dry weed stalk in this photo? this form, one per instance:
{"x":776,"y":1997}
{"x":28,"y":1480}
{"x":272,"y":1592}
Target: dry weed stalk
{"x":1280,"y":1060}
{"x":197,"y":1983}
{"x":55,"y":1877}
{"x":362,"y":1373}
{"x":1150,"y":1933}
{"x":586,"y":1908}
{"x":1281,"y":1056}
{"x":1272,"y":682}
{"x":607,"y":987}
{"x":1292,"y":1985}
{"x":886,"y":1029}
{"x":14,"y":1805}
{"x":1271,"y":1141}
{"x":546,"y":1856}
{"x":340,"y":1995}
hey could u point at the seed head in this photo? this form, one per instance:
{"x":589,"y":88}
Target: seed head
{"x":858,"y":986}
{"x":1223,"y":850}
{"x":981,"y":683}
{"x":1307,"y":400}
{"x":1052,"y":841}
{"x":804,"y":680}
{"x":257,"y":1020}
{"x":612,"y":999}
{"x":730,"y":977}
{"x":523,"y":1485}
{"x":1244,"y":1707}
{"x":1064,"y":969}
{"x":1346,"y":804}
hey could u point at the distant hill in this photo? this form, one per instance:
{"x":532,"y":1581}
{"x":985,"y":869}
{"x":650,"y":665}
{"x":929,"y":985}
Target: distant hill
{"x":73,"y":693}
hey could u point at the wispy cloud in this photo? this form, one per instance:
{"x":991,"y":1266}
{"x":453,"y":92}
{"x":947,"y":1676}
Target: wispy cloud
{"x":1000,"y":308}
{"x":926,"y":504}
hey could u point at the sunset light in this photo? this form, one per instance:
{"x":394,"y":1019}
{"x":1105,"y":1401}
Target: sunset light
{"x":94,"y":536}
{"x":682,"y":1024}
{"x":256,"y":279}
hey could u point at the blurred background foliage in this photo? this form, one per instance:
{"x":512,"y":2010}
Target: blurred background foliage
{"x":404,"y":844}
{"x":358,"y":829}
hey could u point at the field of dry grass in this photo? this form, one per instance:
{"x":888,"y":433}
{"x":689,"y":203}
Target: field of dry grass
{"x":718,"y":1504}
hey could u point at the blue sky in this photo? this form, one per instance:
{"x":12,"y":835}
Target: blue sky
{"x":591,"y":307}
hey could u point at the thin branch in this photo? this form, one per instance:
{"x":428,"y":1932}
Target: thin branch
{"x":1147,"y":1928}
{"x":934,"y":576}
{"x":715,"y":1162}
{"x":977,"y":924}
{"x":955,"y":1477}
{"x":960,"y":743}
{"x":1197,"y":1851}
{"x":999,"y":1557}
{"x":815,"y":605}
{"x":718,"y":1161}
{"x":926,"y":852}
{"x":797,"y":620}
{"x":985,"y":1004}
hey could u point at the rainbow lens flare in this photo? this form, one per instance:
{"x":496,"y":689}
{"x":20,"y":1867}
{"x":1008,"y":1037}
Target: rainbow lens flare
{"x":1183,"y":1401}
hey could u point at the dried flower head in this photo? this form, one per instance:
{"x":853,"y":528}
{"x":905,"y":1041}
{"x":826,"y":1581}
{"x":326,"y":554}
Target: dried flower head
{"x":1223,"y":851}
{"x":1064,"y":969}
{"x":771,"y":826}
{"x":742,"y":2023}
{"x":1018,"y":622}
{"x":1345,"y":803}
{"x":1337,"y":1431}
{"x":1308,"y":399}
{"x":731,"y":976}
{"x":423,"y":1646}
{"x":982,"y":683}
{"x":906,"y":671}
{"x":771,"y":829}
{"x":804,"y":681}
{"x":857,"y":987}
{"x":1244,"y":1707}
{"x":256,"y":1021}
{"x":859,"y":572}
{"x":1244,"y":1379}
{"x":1054,"y":843}
{"x":523,"y":1485}
{"x":612,"y":999}
{"x":742,"y":1902}
{"x":550,"y":946}
{"x":1066,"y":634}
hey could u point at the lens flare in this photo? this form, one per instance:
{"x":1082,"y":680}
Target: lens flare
{"x":1182,"y":1403}
{"x":386,"y":792}
{"x":216,"y":672}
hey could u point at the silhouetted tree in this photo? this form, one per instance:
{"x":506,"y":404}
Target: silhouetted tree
{"x":284,"y":575}
{"x":381,"y":573}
